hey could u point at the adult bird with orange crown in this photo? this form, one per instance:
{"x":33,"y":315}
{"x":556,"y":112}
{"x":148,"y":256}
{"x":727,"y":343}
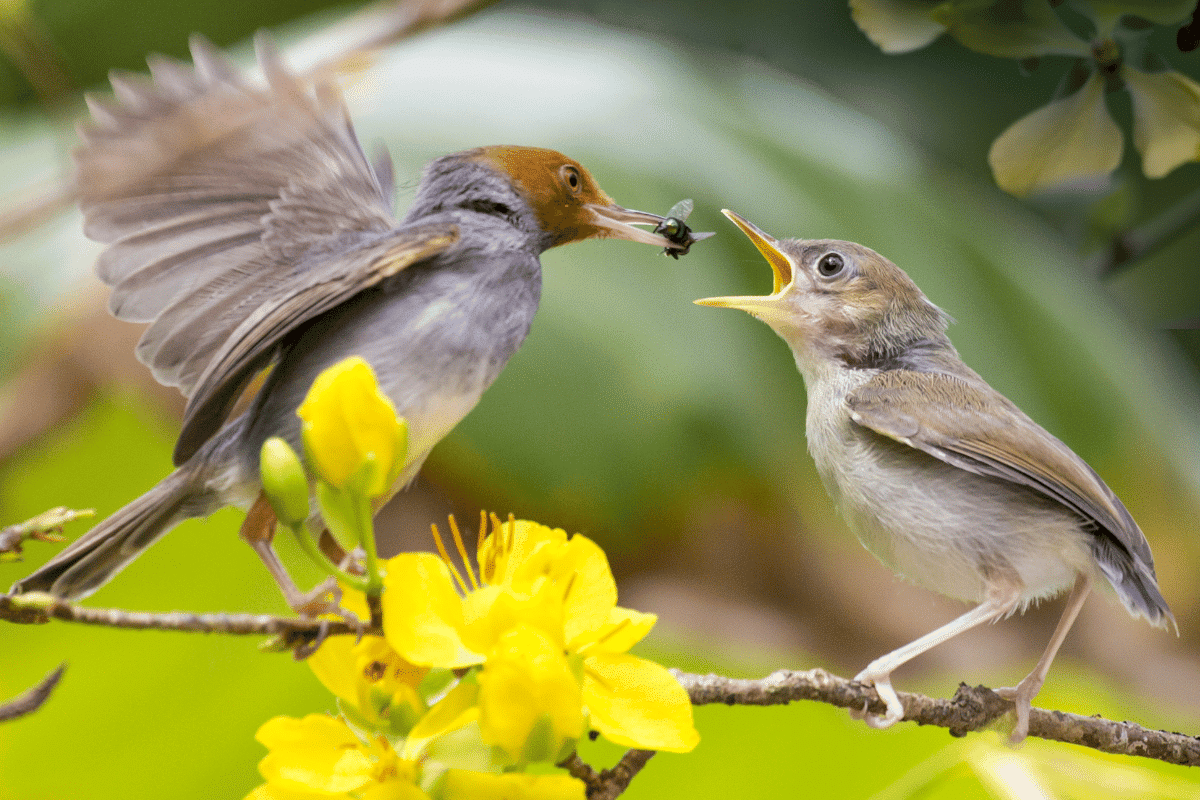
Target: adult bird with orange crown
{"x":939,"y":475}
{"x":248,"y":228}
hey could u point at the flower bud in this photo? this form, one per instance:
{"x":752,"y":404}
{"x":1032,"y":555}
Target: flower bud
{"x":284,"y":482}
{"x":352,"y":436}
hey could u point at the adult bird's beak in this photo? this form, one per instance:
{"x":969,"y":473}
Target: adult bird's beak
{"x":617,"y":223}
{"x":781,"y":266}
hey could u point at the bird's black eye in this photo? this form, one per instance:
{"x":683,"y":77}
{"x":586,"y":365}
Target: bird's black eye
{"x":571,"y":177}
{"x":831,"y":264}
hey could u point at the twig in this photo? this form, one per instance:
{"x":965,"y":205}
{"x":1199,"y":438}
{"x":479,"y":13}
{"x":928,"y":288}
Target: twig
{"x":32,"y":700}
{"x":45,"y":527}
{"x":607,"y":784}
{"x":1150,"y":236}
{"x":970,"y":709}
{"x":289,"y":632}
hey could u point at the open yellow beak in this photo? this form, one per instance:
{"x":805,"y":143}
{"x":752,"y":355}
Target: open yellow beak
{"x":781,"y":266}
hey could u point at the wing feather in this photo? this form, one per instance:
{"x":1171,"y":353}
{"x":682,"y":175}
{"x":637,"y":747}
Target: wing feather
{"x":213,"y":194}
{"x":969,"y":425}
{"x":251,"y":346}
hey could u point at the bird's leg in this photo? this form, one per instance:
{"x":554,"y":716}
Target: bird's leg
{"x":258,"y":531}
{"x":879,"y":671}
{"x":1023,"y":693}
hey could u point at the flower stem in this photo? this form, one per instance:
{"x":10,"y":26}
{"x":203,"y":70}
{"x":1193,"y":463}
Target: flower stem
{"x":365,"y":523}
{"x":309,"y":545}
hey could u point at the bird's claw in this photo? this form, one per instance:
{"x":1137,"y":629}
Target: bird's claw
{"x":325,"y":601}
{"x":1021,"y":696}
{"x":883,"y":687}
{"x":307,"y":648}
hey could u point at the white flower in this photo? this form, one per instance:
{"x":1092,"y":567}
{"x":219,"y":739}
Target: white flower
{"x":1166,"y":119}
{"x":1071,"y":141}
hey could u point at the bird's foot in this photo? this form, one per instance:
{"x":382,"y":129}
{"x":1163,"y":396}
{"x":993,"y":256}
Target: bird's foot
{"x":324,"y":600}
{"x":1021,"y":696}
{"x":883,"y":686}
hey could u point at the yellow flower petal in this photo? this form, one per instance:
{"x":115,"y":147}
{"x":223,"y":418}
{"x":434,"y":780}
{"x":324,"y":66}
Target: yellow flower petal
{"x":637,"y":703}
{"x":317,"y":753}
{"x":897,"y":26}
{"x":590,"y":593}
{"x":466,"y":785}
{"x":513,"y":545}
{"x":394,"y":790}
{"x":1069,"y":141}
{"x":497,"y":610}
{"x":457,"y":709}
{"x":423,"y":614}
{"x":1166,"y":119}
{"x":530,"y":704}
{"x":622,"y":630}
{"x":587,"y":591}
{"x":275,"y":792}
{"x":373,"y":678}
{"x":333,"y":664}
{"x":351,"y":432}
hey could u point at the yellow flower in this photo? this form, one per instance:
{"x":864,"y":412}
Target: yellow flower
{"x":319,"y":756}
{"x":1070,"y":141}
{"x":366,"y":673}
{"x":537,"y":591}
{"x":352,"y":435}
{"x":461,"y":783}
{"x":373,"y":679}
{"x":530,"y":703}
{"x":1166,"y":119}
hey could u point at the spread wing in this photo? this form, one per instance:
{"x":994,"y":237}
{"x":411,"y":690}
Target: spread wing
{"x":209,"y":191}
{"x":971,"y":426}
{"x":233,"y":213}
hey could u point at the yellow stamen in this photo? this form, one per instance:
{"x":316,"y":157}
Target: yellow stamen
{"x":487,"y":568}
{"x":437,"y":537}
{"x":497,"y":533}
{"x":462,"y":552}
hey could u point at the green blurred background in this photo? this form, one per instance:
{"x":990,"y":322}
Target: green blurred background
{"x":671,"y":434}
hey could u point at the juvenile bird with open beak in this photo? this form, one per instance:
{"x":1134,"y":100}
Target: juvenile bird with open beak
{"x":940,"y":476}
{"x":248,"y":228}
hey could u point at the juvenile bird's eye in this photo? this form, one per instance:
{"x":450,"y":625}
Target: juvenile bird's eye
{"x":831,"y":264}
{"x":571,"y":177}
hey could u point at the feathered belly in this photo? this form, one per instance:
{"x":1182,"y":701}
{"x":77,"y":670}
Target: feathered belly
{"x":948,"y":529}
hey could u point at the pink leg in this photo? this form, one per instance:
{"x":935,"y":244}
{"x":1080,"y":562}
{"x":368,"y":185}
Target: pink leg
{"x":1023,"y":693}
{"x":879,"y":671}
{"x":258,"y":531}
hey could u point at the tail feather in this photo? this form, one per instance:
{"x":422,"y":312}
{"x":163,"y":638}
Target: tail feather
{"x":89,"y":563}
{"x":1134,"y":581}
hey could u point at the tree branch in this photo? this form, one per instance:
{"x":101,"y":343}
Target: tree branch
{"x":607,"y":784}
{"x":970,"y":709}
{"x":32,"y":700}
{"x":290,"y":633}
